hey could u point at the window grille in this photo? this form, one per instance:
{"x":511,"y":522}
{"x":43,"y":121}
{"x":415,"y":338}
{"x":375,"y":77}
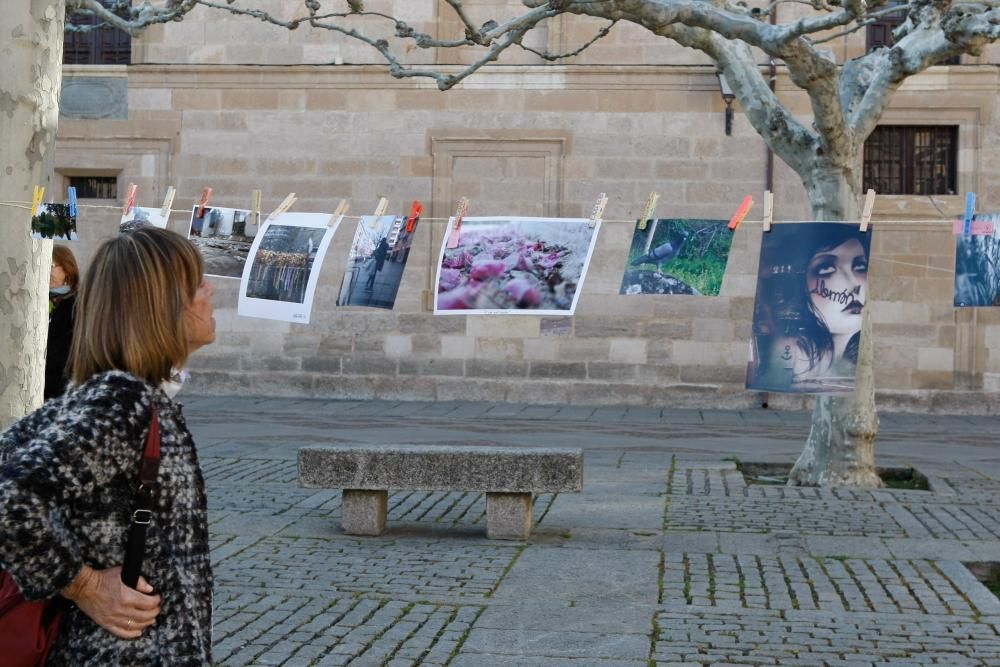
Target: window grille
{"x":100,"y":46}
{"x":912,"y":160}
{"x":95,"y":187}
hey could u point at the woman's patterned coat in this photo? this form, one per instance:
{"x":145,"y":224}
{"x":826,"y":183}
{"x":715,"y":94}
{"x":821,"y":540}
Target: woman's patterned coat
{"x":68,"y":476}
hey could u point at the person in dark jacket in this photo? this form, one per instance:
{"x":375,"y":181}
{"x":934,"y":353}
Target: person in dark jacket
{"x":64,"y":278}
{"x":378,"y":259}
{"x":69,"y":471}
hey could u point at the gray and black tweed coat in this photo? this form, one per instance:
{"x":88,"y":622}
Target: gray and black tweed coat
{"x":68,"y":476}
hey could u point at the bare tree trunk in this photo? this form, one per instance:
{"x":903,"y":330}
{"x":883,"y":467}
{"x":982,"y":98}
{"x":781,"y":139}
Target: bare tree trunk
{"x":840,"y":450}
{"x":31,"y":42}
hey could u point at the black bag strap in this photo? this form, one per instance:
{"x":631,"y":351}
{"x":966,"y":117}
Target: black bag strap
{"x":149,"y":469}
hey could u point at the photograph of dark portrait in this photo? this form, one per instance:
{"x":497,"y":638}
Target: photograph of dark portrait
{"x":224,"y":237}
{"x":812,"y":286}
{"x":375,"y":266}
{"x":977,"y":264}
{"x":53,"y":221}
{"x":279,"y":281}
{"x":533,"y":266}
{"x":677,"y":257}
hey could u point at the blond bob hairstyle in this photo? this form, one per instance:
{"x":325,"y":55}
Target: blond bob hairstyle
{"x":131,"y":304}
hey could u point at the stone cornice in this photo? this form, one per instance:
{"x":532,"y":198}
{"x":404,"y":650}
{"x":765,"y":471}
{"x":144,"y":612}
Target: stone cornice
{"x":972,"y":78}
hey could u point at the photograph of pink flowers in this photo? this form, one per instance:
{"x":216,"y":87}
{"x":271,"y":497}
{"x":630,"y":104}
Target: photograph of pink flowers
{"x":532,"y":266}
{"x":375,"y":266}
{"x":677,"y":257}
{"x":812,"y":287}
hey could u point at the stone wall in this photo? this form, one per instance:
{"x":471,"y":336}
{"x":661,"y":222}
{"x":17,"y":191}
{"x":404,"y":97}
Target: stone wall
{"x":529,"y":141}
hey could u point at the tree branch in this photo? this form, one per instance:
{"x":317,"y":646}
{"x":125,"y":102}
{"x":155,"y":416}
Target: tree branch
{"x":552,"y":57}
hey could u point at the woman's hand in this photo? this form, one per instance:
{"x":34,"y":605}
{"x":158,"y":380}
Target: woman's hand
{"x":102,"y":596}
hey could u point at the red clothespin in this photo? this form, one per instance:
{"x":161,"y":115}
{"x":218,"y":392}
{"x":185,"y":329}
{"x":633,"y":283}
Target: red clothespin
{"x":206,"y":193}
{"x":741,"y":212}
{"x":463,"y":207}
{"x":130,"y":194}
{"x":411,"y":220}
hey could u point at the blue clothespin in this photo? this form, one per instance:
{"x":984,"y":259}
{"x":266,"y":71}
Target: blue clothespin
{"x":71,"y":204}
{"x":970,"y":213}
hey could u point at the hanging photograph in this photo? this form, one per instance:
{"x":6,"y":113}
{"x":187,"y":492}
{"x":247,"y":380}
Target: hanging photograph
{"x":375,"y":266}
{"x":533,"y":266}
{"x":279,"y":281}
{"x":677,"y":257}
{"x":53,"y":221}
{"x":139,"y":216}
{"x":977,"y":263}
{"x":224,"y":236}
{"x":812,"y":287}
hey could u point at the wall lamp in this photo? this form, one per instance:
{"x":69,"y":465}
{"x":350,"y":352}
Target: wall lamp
{"x":727,"y":96}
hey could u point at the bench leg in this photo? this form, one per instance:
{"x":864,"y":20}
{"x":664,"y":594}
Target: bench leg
{"x":508,"y":515}
{"x":363,"y":512}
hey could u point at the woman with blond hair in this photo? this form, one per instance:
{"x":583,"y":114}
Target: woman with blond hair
{"x":64,"y":277}
{"x":69,"y":472}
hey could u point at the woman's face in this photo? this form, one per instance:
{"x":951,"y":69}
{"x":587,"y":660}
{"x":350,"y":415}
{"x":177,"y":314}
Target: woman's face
{"x":837,"y":280}
{"x":198,"y":318}
{"x":57,"y":276}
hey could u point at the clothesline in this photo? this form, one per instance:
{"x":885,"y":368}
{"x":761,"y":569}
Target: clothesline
{"x":27,"y":206}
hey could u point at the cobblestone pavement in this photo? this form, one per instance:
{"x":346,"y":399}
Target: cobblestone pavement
{"x":667,"y":557}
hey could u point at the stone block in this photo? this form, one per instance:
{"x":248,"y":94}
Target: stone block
{"x":508,"y":516}
{"x":363,"y":512}
{"x":556,"y":370}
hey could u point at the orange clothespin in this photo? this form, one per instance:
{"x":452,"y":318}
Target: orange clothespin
{"x":168,"y":201}
{"x":741,"y":212}
{"x":206,"y":193}
{"x":411,"y":220}
{"x":768,"y":210}
{"x":463,"y":207}
{"x":36,"y":199}
{"x":650,"y":208}
{"x":866,"y":214}
{"x":285,"y":204}
{"x":598,"y":212}
{"x":130,"y":194}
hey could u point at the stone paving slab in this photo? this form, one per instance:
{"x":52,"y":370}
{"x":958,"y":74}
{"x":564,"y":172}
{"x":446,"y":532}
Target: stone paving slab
{"x":667,"y":557}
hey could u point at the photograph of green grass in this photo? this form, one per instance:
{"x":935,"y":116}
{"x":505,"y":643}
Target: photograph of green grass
{"x":677,"y":257}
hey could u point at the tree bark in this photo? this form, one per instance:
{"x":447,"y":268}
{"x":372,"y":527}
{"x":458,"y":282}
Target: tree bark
{"x":840,"y":450}
{"x":31,"y":44}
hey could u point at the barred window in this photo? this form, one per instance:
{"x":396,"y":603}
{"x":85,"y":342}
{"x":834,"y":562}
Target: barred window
{"x":879,"y":33}
{"x":912,"y":160}
{"x":99,"y":46}
{"x":95,"y":187}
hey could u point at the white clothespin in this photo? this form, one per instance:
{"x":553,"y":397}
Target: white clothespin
{"x":866,"y":214}
{"x":598,"y":212}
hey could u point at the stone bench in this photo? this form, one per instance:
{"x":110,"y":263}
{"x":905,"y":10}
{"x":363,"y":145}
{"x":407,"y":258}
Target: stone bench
{"x":509,"y":476}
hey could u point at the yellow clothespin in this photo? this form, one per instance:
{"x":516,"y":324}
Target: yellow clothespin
{"x":255,"y":208}
{"x":130,"y":194}
{"x":463,"y":207}
{"x":598,"y":212}
{"x":341,"y":210}
{"x":168,"y":201}
{"x":741,"y":213}
{"x":36,"y":199}
{"x":866,"y":214}
{"x":768,"y":209}
{"x":285,"y":204}
{"x":380,"y":210}
{"x":650,"y":208}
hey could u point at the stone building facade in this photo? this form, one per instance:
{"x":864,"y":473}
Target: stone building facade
{"x":233,"y":104}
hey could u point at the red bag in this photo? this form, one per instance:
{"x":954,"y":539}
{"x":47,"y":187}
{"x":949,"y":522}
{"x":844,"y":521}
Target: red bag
{"x":27,"y":629}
